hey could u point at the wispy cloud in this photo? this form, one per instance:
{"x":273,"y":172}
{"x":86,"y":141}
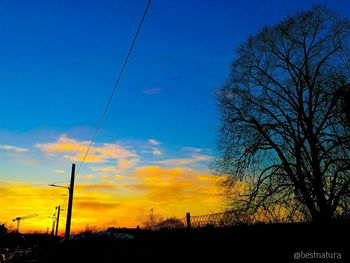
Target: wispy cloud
{"x":192,"y":149}
{"x":127,"y":163}
{"x":58,"y":171}
{"x":152,"y":91}
{"x":153,"y":142}
{"x":13,"y":148}
{"x":112,"y":169}
{"x":196,"y":158}
{"x":87,"y":176}
{"x":157,"y":152}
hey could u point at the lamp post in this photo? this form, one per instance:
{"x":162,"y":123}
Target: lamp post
{"x":70,"y":202}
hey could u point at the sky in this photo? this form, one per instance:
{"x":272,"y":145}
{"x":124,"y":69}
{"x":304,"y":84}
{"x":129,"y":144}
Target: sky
{"x":58,"y":64}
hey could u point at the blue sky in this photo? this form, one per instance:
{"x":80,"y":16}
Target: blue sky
{"x":59,"y":60}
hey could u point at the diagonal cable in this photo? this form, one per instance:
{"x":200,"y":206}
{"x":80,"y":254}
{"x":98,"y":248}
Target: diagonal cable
{"x":100,"y":122}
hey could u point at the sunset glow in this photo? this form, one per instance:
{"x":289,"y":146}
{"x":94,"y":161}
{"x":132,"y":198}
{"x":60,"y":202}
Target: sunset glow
{"x":116,"y":187}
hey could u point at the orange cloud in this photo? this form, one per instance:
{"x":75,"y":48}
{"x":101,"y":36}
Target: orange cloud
{"x":125,"y":164}
{"x":180,"y":188}
{"x":102,"y":186}
{"x":95,"y":205}
{"x":75,"y":150}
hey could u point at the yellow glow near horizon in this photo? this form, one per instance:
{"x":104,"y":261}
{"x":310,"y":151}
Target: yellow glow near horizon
{"x":117,"y":188}
{"x":114,"y":201}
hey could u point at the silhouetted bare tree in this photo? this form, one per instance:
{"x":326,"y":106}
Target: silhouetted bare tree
{"x":150,"y":219}
{"x":284,"y":134}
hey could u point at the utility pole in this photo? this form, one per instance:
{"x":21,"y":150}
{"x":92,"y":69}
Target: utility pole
{"x":53,"y":224}
{"x":188,"y":220}
{"x":58,"y":218}
{"x":70,"y":204}
{"x":152,"y":216}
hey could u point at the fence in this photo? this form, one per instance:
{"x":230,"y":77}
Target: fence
{"x":225,"y":219}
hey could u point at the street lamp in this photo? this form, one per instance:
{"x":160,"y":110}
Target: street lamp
{"x":60,"y":186}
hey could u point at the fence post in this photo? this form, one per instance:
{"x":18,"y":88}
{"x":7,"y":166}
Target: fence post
{"x":188,"y":220}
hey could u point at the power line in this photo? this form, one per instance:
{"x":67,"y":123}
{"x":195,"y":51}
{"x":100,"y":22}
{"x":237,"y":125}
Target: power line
{"x":116,"y":85}
{"x":64,"y":202}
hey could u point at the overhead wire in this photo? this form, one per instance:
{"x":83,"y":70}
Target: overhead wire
{"x":99,"y":125}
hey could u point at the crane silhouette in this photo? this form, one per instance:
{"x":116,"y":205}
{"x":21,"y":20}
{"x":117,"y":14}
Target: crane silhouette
{"x":19,"y":218}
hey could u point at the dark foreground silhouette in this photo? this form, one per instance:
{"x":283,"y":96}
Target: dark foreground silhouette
{"x":257,"y":243}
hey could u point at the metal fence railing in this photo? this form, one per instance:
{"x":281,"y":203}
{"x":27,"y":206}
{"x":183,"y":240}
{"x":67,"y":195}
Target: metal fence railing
{"x":225,"y":219}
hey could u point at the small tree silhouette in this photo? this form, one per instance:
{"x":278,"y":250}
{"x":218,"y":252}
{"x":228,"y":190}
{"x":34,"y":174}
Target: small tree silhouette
{"x":150,"y":219}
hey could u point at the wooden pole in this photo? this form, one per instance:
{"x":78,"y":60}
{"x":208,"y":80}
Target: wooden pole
{"x":188,"y":220}
{"x":58,"y":219}
{"x":70,"y":204}
{"x":53,"y":225}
